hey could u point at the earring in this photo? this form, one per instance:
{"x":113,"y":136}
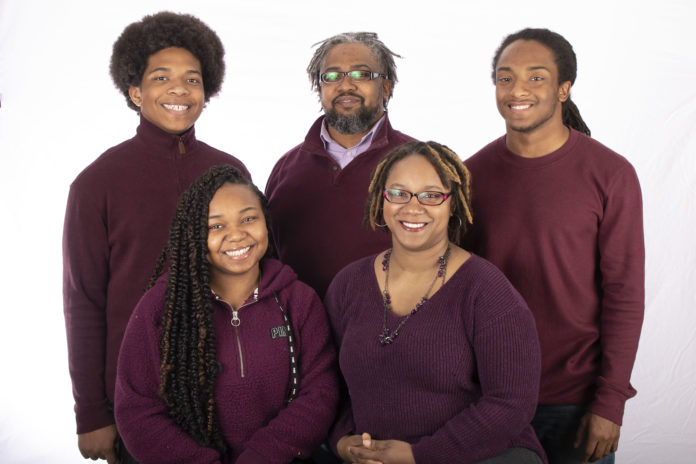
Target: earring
{"x":461,"y":224}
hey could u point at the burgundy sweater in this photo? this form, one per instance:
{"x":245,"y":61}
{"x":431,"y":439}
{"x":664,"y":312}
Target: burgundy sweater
{"x":460,"y":383}
{"x":116,"y":224}
{"x":252,"y":387}
{"x":317,"y":207}
{"x":567,"y":230}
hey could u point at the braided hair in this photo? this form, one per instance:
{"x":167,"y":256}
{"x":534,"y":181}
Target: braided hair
{"x":451,"y":172}
{"x":565,"y":60}
{"x":188,"y":364}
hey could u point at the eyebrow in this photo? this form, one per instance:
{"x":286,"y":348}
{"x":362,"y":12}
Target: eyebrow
{"x":530,"y":68}
{"x":426,"y":188}
{"x":353,"y":67}
{"x":241,"y":211}
{"x":163,"y":69}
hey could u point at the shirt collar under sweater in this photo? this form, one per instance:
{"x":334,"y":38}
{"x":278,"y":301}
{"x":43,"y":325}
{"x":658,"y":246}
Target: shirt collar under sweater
{"x":345,"y":155}
{"x":162,"y":144}
{"x":314,"y":142}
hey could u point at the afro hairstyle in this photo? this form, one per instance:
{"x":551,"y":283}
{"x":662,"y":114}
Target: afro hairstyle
{"x":153,"y":33}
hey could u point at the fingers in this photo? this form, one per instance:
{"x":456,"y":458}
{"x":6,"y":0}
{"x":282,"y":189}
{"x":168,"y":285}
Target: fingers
{"x":367,"y":440}
{"x":363,"y":455}
{"x":602,"y":436}
{"x":110,"y":456}
{"x":582,"y":431}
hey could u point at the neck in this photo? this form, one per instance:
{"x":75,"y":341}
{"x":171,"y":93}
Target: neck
{"x":416,"y":261}
{"x":539,"y":142}
{"x":235,"y":289}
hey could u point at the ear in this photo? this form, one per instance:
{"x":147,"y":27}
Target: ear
{"x":564,"y":91}
{"x":135,"y":96}
{"x":386,"y":90}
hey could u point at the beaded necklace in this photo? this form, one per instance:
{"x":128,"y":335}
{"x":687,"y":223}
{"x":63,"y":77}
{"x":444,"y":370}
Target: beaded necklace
{"x":387,"y":336}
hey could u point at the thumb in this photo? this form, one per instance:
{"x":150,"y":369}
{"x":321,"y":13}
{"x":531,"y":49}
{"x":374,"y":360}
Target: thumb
{"x":110,"y":456}
{"x":367,"y":440}
{"x":582,"y":431}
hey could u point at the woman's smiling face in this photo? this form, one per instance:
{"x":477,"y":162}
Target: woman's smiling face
{"x":237,"y":232}
{"x":415,"y":226}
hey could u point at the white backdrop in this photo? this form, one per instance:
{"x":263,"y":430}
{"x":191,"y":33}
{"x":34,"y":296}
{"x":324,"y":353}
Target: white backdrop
{"x":635,"y":88}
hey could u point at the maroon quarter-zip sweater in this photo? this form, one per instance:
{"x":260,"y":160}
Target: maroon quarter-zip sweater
{"x":116,"y":224}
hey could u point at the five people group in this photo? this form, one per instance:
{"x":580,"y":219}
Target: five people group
{"x":383,"y":302}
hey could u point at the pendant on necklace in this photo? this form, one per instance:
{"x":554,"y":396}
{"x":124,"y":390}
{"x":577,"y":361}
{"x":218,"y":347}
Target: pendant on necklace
{"x":385,"y":337}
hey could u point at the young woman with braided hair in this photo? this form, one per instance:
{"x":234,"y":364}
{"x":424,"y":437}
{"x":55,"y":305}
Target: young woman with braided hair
{"x":227,"y":357}
{"x":438,"y":352}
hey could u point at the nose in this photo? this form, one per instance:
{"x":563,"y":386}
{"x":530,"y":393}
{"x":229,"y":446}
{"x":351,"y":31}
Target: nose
{"x":347,"y":84}
{"x":178,"y":87}
{"x":519,"y":88}
{"x":413,"y":205}
{"x":234,"y":234}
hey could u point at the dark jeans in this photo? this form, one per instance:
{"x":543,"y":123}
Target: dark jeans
{"x":556,"y":427}
{"x":122,"y":454}
{"x":514,"y":456}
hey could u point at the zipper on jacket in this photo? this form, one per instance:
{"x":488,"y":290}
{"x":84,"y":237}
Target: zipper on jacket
{"x":239,"y":347}
{"x":182,"y":148}
{"x":235,"y":322}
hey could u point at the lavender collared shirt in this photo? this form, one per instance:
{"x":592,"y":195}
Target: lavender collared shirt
{"x":342,"y":155}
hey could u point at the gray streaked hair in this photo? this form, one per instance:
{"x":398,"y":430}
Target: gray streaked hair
{"x":380,"y":52}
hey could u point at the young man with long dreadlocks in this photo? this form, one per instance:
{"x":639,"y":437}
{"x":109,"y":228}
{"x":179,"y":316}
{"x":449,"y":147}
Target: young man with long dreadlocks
{"x":167,"y":66}
{"x":316,"y":189}
{"x":228,"y":357}
{"x":438,"y":351}
{"x":561,"y":215}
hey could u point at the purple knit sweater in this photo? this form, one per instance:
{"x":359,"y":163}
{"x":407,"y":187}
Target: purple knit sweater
{"x":116,"y":224}
{"x":567,"y":230}
{"x":317,"y":207}
{"x":252,"y":386}
{"x":460,"y":383}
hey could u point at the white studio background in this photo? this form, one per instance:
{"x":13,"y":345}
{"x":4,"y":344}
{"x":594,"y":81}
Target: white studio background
{"x":635,"y":89}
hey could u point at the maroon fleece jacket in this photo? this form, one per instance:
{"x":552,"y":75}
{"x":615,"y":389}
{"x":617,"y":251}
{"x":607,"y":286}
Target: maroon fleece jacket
{"x":252,"y":386}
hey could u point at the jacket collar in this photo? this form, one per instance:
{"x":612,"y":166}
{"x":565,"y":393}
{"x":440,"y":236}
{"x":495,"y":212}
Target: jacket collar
{"x":162,"y":144}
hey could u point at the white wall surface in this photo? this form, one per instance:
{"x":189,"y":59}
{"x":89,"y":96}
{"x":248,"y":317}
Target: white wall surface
{"x":636,"y":89}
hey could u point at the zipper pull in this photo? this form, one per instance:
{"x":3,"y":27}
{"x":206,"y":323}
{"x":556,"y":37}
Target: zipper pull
{"x":235,"y":318}
{"x":182,"y":148}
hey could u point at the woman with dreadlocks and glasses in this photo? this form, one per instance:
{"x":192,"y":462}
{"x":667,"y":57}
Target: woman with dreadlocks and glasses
{"x":227,"y":357}
{"x":439,"y":353}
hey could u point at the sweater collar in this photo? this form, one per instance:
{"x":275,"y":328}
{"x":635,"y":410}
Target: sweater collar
{"x":545,"y":160}
{"x":163,"y":144}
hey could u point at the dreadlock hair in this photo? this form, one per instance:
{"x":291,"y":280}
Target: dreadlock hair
{"x":380,"y":52}
{"x":188,"y":364}
{"x":452,"y":172}
{"x":566,"y":62}
{"x":153,"y":33}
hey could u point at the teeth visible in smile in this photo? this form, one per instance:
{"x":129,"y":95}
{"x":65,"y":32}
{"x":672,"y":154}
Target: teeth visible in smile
{"x":519,"y":107}
{"x":413,"y":225}
{"x":176,"y":107}
{"x":239,"y":252}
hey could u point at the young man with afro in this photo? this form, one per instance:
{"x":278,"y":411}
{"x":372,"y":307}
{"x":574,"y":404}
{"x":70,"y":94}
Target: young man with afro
{"x":119,"y":208}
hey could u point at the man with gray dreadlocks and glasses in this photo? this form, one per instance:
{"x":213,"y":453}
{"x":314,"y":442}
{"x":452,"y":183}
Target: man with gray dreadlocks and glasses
{"x":317,"y":190}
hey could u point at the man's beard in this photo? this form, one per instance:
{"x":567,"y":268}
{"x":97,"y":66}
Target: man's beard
{"x":352,"y":123}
